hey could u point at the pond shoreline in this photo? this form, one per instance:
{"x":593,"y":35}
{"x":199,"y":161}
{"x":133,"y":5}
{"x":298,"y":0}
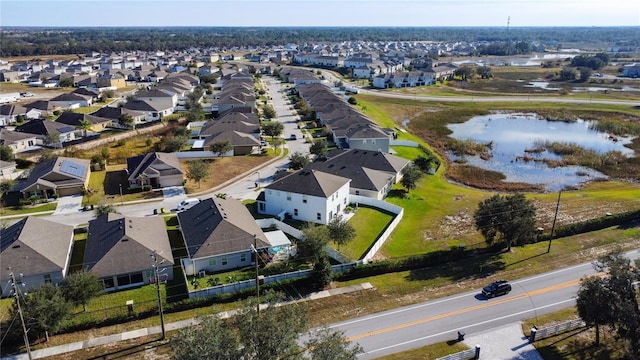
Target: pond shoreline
{"x":584,"y":165}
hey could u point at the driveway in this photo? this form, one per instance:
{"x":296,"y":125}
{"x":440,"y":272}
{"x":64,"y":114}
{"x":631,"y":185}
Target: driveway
{"x":173,"y":192}
{"x":68,"y":204}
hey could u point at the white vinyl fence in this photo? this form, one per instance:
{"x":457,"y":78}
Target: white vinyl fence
{"x":380,"y":204}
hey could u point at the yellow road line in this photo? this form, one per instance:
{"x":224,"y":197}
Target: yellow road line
{"x":469,"y":309}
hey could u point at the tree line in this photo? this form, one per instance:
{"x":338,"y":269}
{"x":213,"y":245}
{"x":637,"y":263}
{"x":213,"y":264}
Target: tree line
{"x":24,"y":41}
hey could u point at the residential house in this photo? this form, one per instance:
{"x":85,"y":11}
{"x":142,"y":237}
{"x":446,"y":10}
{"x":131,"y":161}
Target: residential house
{"x":94,"y":95}
{"x":219,"y":235}
{"x":8,"y":170}
{"x":76,"y":120}
{"x":156,"y":169}
{"x":239,"y":126}
{"x":151,"y":110}
{"x":306,"y":195}
{"x":155,"y":95}
{"x":156,"y":75}
{"x":119,"y":249}
{"x":71,"y":101}
{"x":60,"y":176}
{"x":372,"y":173}
{"x":43,"y":108}
{"x":348,"y":127}
{"x":19,"y":141}
{"x":404,"y":79}
{"x":9,"y":114}
{"x":36,"y":249}
{"x":115,"y":113}
{"x":51,"y":133}
{"x":11,"y":76}
{"x":111,"y":81}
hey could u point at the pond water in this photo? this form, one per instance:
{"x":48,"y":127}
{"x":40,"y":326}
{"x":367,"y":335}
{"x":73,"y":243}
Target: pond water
{"x":513,"y":133}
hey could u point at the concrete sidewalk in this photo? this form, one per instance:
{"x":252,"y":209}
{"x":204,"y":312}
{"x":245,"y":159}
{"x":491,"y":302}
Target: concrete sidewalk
{"x":61,"y":349}
{"x":504,"y":343}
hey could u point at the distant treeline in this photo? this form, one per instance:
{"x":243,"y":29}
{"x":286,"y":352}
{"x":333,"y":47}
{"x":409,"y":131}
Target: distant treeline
{"x":56,"y":41}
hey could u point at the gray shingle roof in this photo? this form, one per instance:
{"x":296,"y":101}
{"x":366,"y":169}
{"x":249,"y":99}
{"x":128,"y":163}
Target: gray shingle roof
{"x":309,"y":182}
{"x":219,"y":226}
{"x":118,"y":245}
{"x":34,"y":246}
{"x":139,"y":164}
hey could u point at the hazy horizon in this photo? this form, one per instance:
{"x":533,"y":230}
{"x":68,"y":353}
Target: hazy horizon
{"x":315,"y":13}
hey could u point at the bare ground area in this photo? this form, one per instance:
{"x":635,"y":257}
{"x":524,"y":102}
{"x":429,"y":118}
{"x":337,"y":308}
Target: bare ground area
{"x":223,"y":169}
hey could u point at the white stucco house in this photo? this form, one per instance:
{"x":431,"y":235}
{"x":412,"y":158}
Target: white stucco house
{"x":306,"y":195}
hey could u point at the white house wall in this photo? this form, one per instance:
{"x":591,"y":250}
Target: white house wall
{"x":305,"y":207}
{"x":380,"y":144}
{"x":213,"y":264}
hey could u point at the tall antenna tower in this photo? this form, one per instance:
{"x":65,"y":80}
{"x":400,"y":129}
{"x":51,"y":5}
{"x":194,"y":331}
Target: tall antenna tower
{"x":508,"y":22}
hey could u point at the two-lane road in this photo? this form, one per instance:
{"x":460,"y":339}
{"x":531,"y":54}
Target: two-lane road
{"x":439,"y":320}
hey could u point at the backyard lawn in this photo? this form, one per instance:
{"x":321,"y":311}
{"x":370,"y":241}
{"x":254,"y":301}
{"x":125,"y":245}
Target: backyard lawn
{"x":369,"y":223}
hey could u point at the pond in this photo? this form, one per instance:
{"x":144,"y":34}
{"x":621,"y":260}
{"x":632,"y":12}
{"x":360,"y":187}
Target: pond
{"x":511,"y":134}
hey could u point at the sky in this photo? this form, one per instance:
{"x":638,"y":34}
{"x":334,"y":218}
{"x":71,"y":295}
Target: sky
{"x":494,"y":13}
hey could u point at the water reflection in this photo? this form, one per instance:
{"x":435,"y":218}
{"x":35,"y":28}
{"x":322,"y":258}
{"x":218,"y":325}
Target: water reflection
{"x":512,"y":134}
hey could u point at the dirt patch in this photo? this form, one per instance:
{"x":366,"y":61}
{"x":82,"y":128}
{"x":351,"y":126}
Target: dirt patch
{"x":223,"y":169}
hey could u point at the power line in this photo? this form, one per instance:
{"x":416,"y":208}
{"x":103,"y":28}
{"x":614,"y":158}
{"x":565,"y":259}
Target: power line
{"x":154,"y":257}
{"x":17,"y":294}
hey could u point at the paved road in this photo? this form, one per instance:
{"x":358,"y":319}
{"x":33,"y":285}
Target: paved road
{"x":246,"y":188}
{"x":439,"y":320}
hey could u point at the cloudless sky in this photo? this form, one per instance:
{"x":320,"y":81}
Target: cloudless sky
{"x":319,"y":13}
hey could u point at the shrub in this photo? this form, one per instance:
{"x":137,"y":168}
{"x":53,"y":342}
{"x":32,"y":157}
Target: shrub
{"x":23,"y":163}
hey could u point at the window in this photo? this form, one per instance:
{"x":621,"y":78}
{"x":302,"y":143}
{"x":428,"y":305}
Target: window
{"x":225,"y":260}
{"x":108,"y":283}
{"x":304,"y":199}
{"x":357,"y":192}
{"x":261,"y":206}
{"x":47,"y":278}
{"x":124,"y":280}
{"x":136,"y":278}
{"x":295,"y":212}
{"x":330,"y":214}
{"x":213,"y":262}
{"x":288,"y":196}
{"x":243,"y":257}
{"x":318,"y":216}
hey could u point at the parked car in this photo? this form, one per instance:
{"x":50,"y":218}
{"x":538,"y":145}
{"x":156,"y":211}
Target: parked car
{"x":187,"y":204}
{"x":497,"y":288}
{"x":293,"y":137}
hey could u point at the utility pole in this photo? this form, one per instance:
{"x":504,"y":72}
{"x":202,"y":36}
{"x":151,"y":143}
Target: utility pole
{"x":154,"y":257}
{"x":553,"y":226}
{"x":16,"y":294}
{"x":254,"y":248}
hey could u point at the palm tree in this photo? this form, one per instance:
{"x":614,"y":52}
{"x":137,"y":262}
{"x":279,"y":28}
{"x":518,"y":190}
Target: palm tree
{"x":84,"y":126}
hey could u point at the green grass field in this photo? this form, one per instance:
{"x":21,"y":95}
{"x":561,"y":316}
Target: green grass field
{"x":369,"y":223}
